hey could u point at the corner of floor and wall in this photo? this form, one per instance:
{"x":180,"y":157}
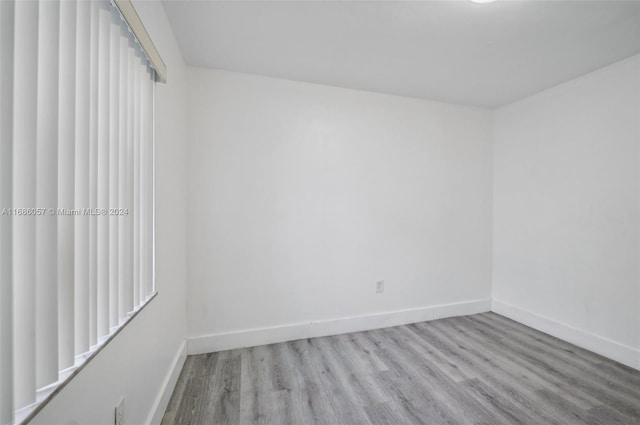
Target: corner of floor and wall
{"x":567,"y":211}
{"x":391,"y":210}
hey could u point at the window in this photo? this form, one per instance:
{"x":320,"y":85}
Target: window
{"x":76,"y":190}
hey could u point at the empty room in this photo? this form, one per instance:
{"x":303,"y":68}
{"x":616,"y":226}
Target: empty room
{"x":319,"y":212}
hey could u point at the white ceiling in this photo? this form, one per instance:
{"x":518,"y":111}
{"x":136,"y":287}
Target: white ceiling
{"x":453,"y":51}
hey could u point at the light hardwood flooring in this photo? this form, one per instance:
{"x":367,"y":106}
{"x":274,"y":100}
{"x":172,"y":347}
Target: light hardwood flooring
{"x":480,"y":369}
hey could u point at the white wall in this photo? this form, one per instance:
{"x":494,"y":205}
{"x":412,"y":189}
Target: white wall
{"x":302,"y":196}
{"x":566,"y":211}
{"x":138,"y":361}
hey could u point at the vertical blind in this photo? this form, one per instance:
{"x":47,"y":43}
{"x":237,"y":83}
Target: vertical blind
{"x":76,"y":190}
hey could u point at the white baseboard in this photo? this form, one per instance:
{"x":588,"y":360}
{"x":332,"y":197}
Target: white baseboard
{"x":291,"y":332}
{"x":169,"y":383}
{"x":605,"y":347}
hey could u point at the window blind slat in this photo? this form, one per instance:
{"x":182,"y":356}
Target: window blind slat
{"x":104,"y":48}
{"x":136,"y":180}
{"x":149,"y":186}
{"x":24,"y":185}
{"x":141,"y":186}
{"x":66,"y":184}
{"x":123,"y":287}
{"x":6,"y":157}
{"x":46,"y":296}
{"x":153,"y":187}
{"x":82,"y":178}
{"x":131,"y":299}
{"x":114,"y":171}
{"x":93,"y":173}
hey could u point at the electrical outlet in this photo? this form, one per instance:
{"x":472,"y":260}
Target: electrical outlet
{"x":119,"y":417}
{"x":380,"y":286}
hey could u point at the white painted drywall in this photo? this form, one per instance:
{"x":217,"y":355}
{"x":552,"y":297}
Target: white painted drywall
{"x":301,"y":197}
{"x":566,"y":208}
{"x":138,"y":361}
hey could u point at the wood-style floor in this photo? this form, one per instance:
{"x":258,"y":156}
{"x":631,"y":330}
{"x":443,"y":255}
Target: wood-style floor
{"x":480,"y":369}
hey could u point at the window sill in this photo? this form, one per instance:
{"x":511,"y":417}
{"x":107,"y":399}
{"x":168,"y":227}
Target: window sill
{"x":46,"y":394}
